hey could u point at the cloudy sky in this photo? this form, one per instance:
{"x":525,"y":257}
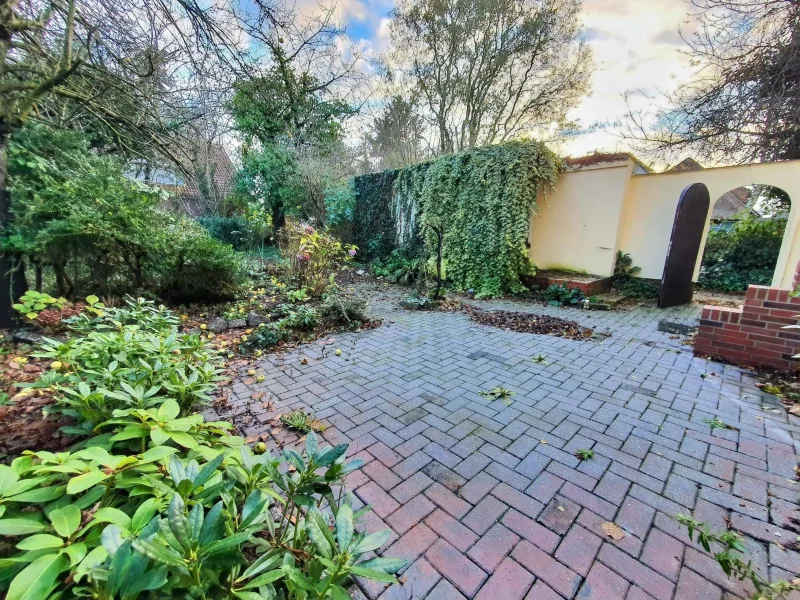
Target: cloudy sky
{"x":636,"y":44}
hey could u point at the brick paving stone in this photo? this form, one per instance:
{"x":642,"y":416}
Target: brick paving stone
{"x":691,"y":585}
{"x":459,"y":570}
{"x":509,"y":582}
{"x":530,"y":530}
{"x":559,"y":515}
{"x":650,"y":581}
{"x":451,"y":530}
{"x":445,"y":591}
{"x":603,"y":584}
{"x":447,"y":500}
{"x":553,"y":573}
{"x":492,"y":547}
{"x":416,"y":581}
{"x":410,"y":513}
{"x":578,"y":549}
{"x":485,"y":514}
{"x":542,"y":591}
{"x":663,"y":553}
{"x":468,"y":487}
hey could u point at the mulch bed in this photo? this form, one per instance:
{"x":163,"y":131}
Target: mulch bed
{"x":528,"y":323}
{"x":24,"y":425}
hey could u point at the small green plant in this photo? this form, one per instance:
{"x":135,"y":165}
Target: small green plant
{"x":584,"y":454}
{"x":416,"y":302}
{"x":300,"y":295}
{"x":339,"y":309}
{"x":716,"y":423}
{"x":560,"y":295}
{"x":301,"y":421}
{"x":539,"y":359}
{"x":304,"y":317}
{"x":400,"y":266}
{"x":728,"y":549}
{"x":772,"y":389}
{"x":32,"y":303}
{"x":627,"y":283}
{"x":498,"y":393}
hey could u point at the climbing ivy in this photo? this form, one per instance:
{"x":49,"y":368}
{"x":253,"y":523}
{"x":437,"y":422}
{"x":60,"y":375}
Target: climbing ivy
{"x":373,"y":225}
{"x":482,"y":200}
{"x":479,"y":201}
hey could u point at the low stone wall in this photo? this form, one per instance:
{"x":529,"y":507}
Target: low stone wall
{"x":754,"y":333}
{"x":589,"y":288}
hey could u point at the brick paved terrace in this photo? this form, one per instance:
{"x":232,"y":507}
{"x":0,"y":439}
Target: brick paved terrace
{"x":487,"y":500}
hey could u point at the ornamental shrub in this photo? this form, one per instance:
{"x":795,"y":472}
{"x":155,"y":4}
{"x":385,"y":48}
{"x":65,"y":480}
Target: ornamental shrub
{"x":743,"y":255}
{"x":80,"y":218}
{"x":235,"y":231}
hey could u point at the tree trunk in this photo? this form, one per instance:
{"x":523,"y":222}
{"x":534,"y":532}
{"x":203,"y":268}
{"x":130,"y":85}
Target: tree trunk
{"x":12,"y":268}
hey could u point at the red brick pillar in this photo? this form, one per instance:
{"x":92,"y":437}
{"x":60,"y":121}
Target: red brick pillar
{"x":796,"y":279}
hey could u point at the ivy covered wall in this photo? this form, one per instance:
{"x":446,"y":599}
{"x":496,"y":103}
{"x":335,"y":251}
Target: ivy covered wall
{"x":373,"y":225}
{"x":479,"y":200}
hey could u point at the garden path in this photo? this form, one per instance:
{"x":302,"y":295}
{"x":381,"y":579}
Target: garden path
{"x":487,"y":500}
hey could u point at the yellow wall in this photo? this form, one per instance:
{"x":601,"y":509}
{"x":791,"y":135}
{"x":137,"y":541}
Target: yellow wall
{"x":596,"y":211}
{"x":575,"y":226}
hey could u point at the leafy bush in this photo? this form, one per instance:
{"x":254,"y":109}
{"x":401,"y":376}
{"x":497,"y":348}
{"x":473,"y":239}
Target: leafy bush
{"x":31,"y":303}
{"x":266,"y":336}
{"x":312,"y":255}
{"x":160,"y":505}
{"x":237,"y":231}
{"x":79,"y":216}
{"x":744,"y":255}
{"x":339,"y":309}
{"x":400,"y":266}
{"x":128,"y":358}
{"x":560,"y":295}
{"x":626,"y":282}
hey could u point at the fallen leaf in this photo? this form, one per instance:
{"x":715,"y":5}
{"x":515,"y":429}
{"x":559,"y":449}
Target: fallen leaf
{"x":303,"y":361}
{"x":561,"y":508}
{"x":613,"y":530}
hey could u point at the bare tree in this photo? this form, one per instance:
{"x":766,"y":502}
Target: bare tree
{"x":121,"y":66}
{"x":397,"y":136}
{"x":490,"y":70}
{"x":744,"y":103}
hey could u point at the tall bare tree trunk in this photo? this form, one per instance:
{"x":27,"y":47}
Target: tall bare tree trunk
{"x":12,"y":268}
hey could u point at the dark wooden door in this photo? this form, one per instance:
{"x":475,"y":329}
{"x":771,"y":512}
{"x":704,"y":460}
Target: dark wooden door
{"x":684,"y":245}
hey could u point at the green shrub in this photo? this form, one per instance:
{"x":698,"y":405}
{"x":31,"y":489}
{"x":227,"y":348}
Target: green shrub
{"x":313,"y":256}
{"x":236,"y":231}
{"x":339,"y":309}
{"x":400,"y":266}
{"x":373,"y":222}
{"x":560,"y":295}
{"x":625,"y":281}
{"x":128,"y":358}
{"x":200,"y":268}
{"x":79,"y":216}
{"x":478,"y":202}
{"x":743,"y":255}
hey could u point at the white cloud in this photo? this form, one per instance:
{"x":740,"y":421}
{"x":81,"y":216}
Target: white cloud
{"x":637,"y":46}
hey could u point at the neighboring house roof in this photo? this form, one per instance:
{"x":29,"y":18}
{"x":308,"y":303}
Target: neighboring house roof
{"x":687,"y":164}
{"x":605,"y":157}
{"x":731,"y":205}
{"x":221,"y":171}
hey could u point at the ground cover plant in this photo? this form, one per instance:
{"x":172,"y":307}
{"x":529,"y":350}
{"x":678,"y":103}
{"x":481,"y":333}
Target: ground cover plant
{"x":153,"y":501}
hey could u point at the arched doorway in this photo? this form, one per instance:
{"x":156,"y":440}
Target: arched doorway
{"x":746,"y":229}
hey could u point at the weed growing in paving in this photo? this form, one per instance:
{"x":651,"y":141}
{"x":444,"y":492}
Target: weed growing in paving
{"x":584,"y":454}
{"x":716,"y":423}
{"x":302,"y":421}
{"x":498,"y":393}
